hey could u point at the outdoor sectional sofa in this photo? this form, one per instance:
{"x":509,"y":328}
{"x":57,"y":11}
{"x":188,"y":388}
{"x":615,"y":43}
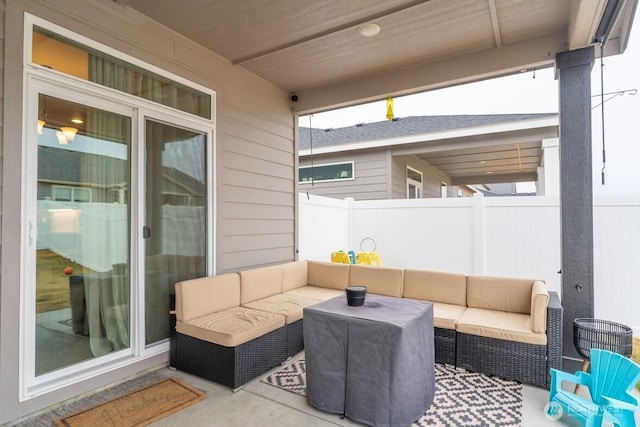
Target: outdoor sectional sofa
{"x":233,"y":327}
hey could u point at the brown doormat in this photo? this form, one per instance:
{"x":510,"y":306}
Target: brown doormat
{"x":139,"y":408}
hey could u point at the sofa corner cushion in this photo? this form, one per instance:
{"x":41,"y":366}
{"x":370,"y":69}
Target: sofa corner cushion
{"x":378,"y":280}
{"x":205,"y":295}
{"x":500,"y":325}
{"x":328,"y":274}
{"x":260,"y":283}
{"x":435,"y":286}
{"x":231,"y":327}
{"x":315,"y":293}
{"x":294,"y":275}
{"x":288,"y":305}
{"x":539,"y":303}
{"x":499,"y":293}
{"x":446,"y":316}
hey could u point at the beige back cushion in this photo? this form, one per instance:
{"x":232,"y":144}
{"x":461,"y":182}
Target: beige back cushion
{"x":435,"y":286}
{"x":328,"y":274}
{"x":539,"y":303}
{"x":499,"y":293}
{"x":199,"y":297}
{"x":378,"y":280}
{"x":294,"y":275}
{"x":260,"y":283}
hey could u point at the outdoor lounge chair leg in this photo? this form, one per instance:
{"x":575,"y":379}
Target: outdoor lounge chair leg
{"x":585,"y":366}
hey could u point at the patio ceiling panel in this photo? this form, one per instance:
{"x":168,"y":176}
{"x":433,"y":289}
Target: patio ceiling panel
{"x":312,"y":48}
{"x":488,"y":163}
{"x":318,"y":62}
{"x":481,"y":159}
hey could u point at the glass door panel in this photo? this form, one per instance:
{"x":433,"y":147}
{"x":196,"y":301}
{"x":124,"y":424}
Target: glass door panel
{"x":176,"y":218}
{"x":83,"y":240}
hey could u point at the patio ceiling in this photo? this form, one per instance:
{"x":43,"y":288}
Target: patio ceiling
{"x":312,"y":48}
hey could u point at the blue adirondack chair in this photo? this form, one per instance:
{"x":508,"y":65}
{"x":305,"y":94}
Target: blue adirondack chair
{"x":610,"y":382}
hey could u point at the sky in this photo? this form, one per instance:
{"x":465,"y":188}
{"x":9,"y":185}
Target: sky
{"x":524,"y":93}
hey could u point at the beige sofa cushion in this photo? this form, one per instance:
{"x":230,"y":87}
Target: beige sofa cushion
{"x":435,"y":286}
{"x":378,"y":280}
{"x":500,"y":325}
{"x":316,"y":293}
{"x":285,"y":304}
{"x":539,"y":303}
{"x":231,"y":327}
{"x":499,"y":293}
{"x":328,"y":275}
{"x":260,"y":283}
{"x":446,"y":315}
{"x":199,"y":297}
{"x":294,"y":275}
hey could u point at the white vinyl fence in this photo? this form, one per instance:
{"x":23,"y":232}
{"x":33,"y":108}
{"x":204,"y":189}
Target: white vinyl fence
{"x":507,"y":236}
{"x":96,"y":235}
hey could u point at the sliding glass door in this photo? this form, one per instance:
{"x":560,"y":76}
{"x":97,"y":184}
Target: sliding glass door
{"x":175,"y":230}
{"x":82,"y":253}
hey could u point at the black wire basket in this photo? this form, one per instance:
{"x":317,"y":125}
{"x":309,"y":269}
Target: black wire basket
{"x":602,"y":334}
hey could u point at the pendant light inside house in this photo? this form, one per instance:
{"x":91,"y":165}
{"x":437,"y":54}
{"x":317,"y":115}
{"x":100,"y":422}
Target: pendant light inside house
{"x":62,"y":140}
{"x":69,"y":132}
{"x":41,"y":124}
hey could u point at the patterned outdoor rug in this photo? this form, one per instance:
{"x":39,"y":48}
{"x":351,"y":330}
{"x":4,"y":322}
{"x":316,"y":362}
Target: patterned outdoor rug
{"x":462,"y":398}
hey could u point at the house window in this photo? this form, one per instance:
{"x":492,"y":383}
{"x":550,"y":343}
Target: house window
{"x":54,"y":51}
{"x":414,"y":183}
{"x":326,"y":172}
{"x":70,"y":194}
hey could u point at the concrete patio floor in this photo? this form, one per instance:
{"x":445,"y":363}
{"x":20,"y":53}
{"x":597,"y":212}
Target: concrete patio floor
{"x":257,"y":403}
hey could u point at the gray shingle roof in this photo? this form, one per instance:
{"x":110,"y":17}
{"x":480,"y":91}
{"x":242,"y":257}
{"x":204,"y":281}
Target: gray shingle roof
{"x":406,"y":126}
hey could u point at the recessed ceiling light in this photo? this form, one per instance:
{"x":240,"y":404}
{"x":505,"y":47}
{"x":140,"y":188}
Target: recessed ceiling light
{"x":77,"y":120}
{"x":482,"y":162}
{"x":488,"y":172}
{"x":369,"y":29}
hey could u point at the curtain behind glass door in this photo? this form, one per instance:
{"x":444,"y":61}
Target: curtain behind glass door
{"x":176,"y":218}
{"x":83,"y":239}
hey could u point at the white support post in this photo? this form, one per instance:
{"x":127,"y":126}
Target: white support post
{"x":549,"y":173}
{"x":350,"y":201}
{"x":479,"y":235}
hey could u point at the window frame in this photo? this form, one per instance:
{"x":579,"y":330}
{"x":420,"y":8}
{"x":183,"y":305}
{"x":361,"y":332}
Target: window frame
{"x":349,"y":162}
{"x":412,"y":182}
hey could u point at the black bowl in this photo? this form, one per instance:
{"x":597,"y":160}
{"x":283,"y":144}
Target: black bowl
{"x":356,"y":295}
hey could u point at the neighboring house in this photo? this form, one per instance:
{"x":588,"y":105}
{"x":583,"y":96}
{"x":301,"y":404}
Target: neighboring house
{"x":196,"y":103}
{"x":74,"y":176}
{"x":429,"y":156}
{"x":504,"y":190}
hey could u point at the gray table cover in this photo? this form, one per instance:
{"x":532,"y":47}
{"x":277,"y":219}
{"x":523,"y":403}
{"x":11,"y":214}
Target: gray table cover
{"x":374,"y":363}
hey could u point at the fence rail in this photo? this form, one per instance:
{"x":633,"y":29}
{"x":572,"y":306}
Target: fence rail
{"x":514,"y":236}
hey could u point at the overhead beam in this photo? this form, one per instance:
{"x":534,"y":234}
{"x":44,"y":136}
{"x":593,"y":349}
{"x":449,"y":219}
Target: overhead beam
{"x":447,"y":72}
{"x":584,"y":18}
{"x":471,"y":143}
{"x":495,"y":25}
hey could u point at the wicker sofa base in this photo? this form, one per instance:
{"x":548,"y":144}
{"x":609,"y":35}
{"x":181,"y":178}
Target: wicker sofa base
{"x":445,"y":343}
{"x":526,"y":363}
{"x":230,"y":366}
{"x":295,"y":338}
